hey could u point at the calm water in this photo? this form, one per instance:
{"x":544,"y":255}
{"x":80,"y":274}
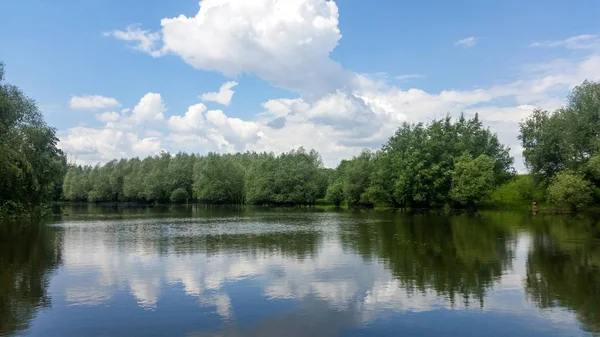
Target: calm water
{"x":245,"y":272}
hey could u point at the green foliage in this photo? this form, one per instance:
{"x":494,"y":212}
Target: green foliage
{"x":335,"y":194}
{"x":419,"y":161}
{"x":570,"y":189}
{"x":472,"y":179}
{"x":296,"y":177}
{"x":31,"y":166}
{"x":517,"y":192}
{"x":219,"y":179}
{"x":290,"y":178}
{"x":566,"y":138}
{"x":179,"y":196}
{"x":592,"y":168}
{"x":352,"y":180}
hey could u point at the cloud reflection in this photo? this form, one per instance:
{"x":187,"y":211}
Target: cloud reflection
{"x":324,"y":270}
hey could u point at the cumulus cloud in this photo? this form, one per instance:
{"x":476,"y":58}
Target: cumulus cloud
{"x":466,"y":42}
{"x":92,"y":146}
{"x":214,"y":129}
{"x":92,"y":102}
{"x":150,"y":108}
{"x":120,"y":137}
{"x":108,"y":117}
{"x":193,"y":119}
{"x":224,"y":95}
{"x":284,"y":42}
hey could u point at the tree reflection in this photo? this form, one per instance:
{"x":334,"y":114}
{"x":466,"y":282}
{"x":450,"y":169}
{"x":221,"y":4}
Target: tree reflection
{"x":563,"y":267}
{"x":28,"y":255}
{"x":454,"y":256}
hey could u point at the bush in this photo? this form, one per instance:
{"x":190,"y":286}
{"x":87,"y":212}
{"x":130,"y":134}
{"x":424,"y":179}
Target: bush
{"x":179,"y":196}
{"x":570,"y":189}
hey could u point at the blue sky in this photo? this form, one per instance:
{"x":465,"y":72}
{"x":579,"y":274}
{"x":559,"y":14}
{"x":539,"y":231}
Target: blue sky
{"x":338,"y":76}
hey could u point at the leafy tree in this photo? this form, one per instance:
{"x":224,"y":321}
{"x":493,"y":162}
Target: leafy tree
{"x":420,"y":161}
{"x":565,"y":139}
{"x":335,"y":194}
{"x":31,"y":166}
{"x":180,"y":195}
{"x":353,"y":178}
{"x":570,"y":189}
{"x":219,"y":179}
{"x":544,"y":149}
{"x":290,"y":178}
{"x":472,"y":179}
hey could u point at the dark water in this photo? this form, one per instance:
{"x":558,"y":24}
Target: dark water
{"x":245,"y":272}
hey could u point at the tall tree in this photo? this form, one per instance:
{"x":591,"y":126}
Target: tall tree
{"x":31,"y":165}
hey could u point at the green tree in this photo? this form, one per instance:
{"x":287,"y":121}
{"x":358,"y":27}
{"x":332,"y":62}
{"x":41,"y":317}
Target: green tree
{"x":179,"y":196}
{"x":295,"y":177}
{"x":570,"y":189}
{"x":31,"y":165}
{"x":421,"y":158}
{"x":219,"y":179}
{"x":472,"y":179}
{"x":353,"y":177}
{"x":335,"y":194}
{"x":565,"y":139}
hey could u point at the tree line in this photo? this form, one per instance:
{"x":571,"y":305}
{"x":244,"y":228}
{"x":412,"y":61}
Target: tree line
{"x":444,"y":163}
{"x":297,"y":177}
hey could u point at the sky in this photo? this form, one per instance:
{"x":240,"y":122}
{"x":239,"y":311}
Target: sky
{"x":133,"y":78}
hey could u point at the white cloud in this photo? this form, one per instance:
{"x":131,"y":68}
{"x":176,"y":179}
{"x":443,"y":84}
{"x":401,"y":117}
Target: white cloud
{"x":223,"y":96}
{"x":408,"y":77}
{"x":108,"y":117}
{"x":150,"y":108}
{"x":586,"y":41}
{"x":120,"y":136}
{"x":143,"y":40}
{"x":193,"y":119}
{"x":91,"y":146}
{"x":215,"y":130}
{"x":284,"y":42}
{"x":467,"y":42}
{"x":92,"y":102}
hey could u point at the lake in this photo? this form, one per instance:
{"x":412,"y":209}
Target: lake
{"x":198,"y":271}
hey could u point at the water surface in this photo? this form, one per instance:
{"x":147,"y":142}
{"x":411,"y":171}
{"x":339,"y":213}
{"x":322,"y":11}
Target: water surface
{"x":267,"y":272}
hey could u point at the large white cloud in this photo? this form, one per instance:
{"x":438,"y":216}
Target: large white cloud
{"x":284,"y":42}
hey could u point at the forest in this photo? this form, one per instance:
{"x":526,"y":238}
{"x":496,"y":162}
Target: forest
{"x":445,"y":163}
